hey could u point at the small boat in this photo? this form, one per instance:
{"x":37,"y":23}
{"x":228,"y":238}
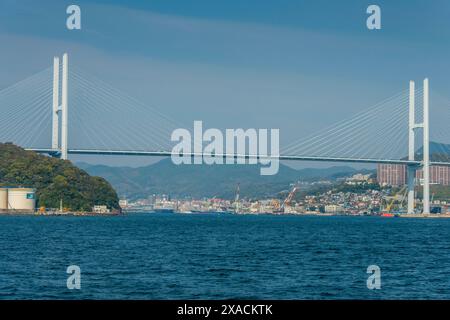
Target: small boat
{"x":387,"y":215}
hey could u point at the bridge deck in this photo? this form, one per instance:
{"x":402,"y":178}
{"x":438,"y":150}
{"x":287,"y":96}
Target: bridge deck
{"x":280,"y":157}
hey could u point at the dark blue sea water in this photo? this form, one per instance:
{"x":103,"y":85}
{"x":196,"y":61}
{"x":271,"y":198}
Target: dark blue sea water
{"x":212,"y":256}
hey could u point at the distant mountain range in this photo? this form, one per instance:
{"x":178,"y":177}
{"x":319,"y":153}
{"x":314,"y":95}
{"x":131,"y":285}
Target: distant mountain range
{"x":200,"y":181}
{"x":438,"y":152}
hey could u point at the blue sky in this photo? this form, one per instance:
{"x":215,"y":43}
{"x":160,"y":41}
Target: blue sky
{"x":295,"y":65}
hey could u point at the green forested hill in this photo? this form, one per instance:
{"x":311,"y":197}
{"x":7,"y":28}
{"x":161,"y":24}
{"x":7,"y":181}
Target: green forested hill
{"x":54,"y":179}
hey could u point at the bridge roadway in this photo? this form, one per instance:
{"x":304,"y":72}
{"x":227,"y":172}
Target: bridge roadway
{"x":55,"y":152}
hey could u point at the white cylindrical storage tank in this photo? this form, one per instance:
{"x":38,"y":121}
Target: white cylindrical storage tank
{"x":3,"y":198}
{"x":21,"y":199}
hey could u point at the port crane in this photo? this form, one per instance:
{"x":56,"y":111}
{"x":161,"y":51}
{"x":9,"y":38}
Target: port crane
{"x":286,"y":203}
{"x":290,"y":196}
{"x":403,"y":191}
{"x":236,"y":199}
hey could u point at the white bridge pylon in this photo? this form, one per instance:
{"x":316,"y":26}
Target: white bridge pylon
{"x":413,"y":126}
{"x":60,"y":108}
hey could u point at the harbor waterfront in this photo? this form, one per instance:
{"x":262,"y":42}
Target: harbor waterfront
{"x":220,"y":256}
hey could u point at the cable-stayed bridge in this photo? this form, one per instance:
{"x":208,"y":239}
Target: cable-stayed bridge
{"x":62,"y":111}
